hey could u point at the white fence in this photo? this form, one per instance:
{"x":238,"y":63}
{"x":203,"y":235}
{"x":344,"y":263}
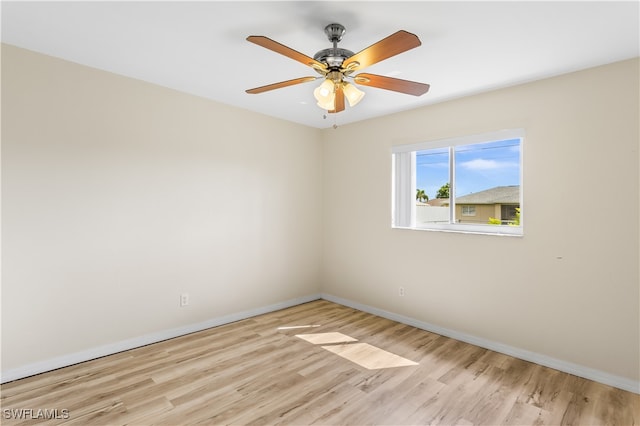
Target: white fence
{"x":431,"y":214}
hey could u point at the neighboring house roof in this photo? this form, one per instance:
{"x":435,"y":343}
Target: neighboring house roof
{"x":437,"y":202}
{"x":497,"y":195}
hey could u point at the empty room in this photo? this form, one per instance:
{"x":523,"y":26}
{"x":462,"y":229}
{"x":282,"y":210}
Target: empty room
{"x":333,"y":213}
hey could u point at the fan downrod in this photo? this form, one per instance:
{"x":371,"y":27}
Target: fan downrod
{"x":333,"y":56}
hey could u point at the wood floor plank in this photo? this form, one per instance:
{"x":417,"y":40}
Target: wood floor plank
{"x":257,"y":372}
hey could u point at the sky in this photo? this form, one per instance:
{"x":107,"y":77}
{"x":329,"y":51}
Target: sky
{"x":477,"y":167}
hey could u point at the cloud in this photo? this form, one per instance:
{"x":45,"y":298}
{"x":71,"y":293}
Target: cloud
{"x":482,"y":164}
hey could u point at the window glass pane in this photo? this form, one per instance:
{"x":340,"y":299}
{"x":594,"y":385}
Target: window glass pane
{"x":462,"y":184}
{"x":468,"y":210}
{"x":487,"y":176}
{"x":432,"y":189}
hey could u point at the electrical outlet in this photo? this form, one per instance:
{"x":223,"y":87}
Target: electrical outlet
{"x":401,"y":291}
{"x":184,"y":299}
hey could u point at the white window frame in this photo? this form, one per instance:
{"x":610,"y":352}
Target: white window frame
{"x":404,"y":184}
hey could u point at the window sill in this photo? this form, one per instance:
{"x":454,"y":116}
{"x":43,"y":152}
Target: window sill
{"x":515,"y":231}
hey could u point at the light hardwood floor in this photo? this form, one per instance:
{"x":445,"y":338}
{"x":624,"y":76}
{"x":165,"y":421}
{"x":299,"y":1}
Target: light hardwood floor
{"x":258,"y":372}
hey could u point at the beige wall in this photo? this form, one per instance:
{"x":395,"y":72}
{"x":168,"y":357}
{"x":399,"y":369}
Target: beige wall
{"x":119,"y":195}
{"x":567,"y":289}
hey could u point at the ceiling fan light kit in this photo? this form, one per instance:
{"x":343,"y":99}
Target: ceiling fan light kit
{"x":325,"y":94}
{"x":335,"y":65}
{"x":352,"y":93}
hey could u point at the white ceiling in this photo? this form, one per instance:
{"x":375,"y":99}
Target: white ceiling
{"x":200,"y":47}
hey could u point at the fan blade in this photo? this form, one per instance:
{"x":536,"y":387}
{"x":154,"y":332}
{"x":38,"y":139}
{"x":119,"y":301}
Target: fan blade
{"x":339,"y":101}
{"x":396,"y":43}
{"x":280,"y":85}
{"x":286,"y":51}
{"x":389,"y":83}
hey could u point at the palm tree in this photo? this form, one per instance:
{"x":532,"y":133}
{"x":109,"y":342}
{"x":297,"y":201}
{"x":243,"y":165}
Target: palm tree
{"x":421,"y":196}
{"x":443,"y":192}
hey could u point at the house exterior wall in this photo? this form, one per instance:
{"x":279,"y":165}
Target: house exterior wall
{"x":483,"y":213}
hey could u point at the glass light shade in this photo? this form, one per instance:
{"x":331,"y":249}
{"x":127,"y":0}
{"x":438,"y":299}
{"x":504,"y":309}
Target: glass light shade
{"x":352,"y":93}
{"x":329,"y":104}
{"x":326,"y":88}
{"x":325,"y":95}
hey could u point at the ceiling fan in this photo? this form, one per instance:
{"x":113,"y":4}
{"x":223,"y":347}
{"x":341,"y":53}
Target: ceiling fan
{"x":336,"y":66}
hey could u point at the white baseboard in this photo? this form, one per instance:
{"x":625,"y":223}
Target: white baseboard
{"x":75,"y":358}
{"x":124,"y":345}
{"x":557,"y":364}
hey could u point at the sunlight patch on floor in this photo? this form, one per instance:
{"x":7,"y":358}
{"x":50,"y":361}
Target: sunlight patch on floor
{"x":326,"y":338}
{"x":363,"y":354}
{"x":369,"y":357}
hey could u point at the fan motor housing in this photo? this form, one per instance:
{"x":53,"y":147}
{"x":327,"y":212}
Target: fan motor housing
{"x":333,"y":57}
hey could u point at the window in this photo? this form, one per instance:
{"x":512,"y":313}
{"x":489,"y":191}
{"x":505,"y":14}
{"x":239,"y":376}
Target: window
{"x":466,"y":184}
{"x":468,"y":210}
